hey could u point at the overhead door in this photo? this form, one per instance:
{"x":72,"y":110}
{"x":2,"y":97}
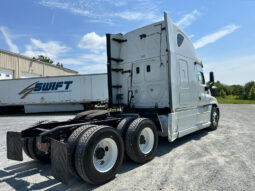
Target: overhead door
{"x":6,"y":74}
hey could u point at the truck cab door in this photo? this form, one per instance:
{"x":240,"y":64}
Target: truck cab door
{"x":201,"y":86}
{"x":203,"y":109}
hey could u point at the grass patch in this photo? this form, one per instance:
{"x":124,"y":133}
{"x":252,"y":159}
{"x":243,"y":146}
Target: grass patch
{"x":234,"y":100}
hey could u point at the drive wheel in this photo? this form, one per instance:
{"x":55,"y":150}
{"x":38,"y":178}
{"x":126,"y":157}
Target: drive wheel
{"x":71,"y":146}
{"x":124,"y":124}
{"x":99,"y":154}
{"x":35,"y":153}
{"x":141,"y":140}
{"x":214,"y":119}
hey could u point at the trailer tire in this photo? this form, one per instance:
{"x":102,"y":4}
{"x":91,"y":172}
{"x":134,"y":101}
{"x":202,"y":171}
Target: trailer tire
{"x":71,"y":146}
{"x":99,"y":154}
{"x":35,"y":153}
{"x":141,"y":140}
{"x":124,"y":124}
{"x":214,"y":118}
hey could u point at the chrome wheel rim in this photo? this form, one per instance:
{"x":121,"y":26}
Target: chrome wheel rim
{"x":146,"y":140}
{"x":215,"y":118}
{"x":105,"y":155}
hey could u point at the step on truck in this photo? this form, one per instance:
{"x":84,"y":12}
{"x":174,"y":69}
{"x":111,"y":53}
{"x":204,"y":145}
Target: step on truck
{"x":156,"y":88}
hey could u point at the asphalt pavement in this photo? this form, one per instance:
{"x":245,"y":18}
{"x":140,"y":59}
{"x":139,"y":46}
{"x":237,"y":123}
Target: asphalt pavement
{"x":205,"y":160}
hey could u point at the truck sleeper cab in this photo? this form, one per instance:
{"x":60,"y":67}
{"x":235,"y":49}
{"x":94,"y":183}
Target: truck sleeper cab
{"x":156,"y":88}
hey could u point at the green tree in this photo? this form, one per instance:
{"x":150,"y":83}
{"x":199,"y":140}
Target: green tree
{"x":43,"y":59}
{"x":252,"y":93}
{"x":228,"y":89}
{"x":218,"y":88}
{"x":247,"y":88}
{"x":242,"y":92}
{"x":238,"y":90}
{"x":60,"y":65}
{"x":222,"y":93}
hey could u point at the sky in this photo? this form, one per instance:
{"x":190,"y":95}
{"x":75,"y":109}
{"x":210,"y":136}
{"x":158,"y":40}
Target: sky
{"x":73,"y":31}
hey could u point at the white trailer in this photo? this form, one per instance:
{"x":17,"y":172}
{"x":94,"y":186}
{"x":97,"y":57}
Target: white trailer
{"x":156,"y":88}
{"x":62,"y":93}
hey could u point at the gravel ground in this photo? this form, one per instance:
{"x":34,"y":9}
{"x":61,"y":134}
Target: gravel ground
{"x":206,"y":160}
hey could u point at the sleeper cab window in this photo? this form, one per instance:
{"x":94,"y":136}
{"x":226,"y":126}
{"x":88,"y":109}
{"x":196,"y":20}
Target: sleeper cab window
{"x":137,"y":70}
{"x":148,"y":68}
{"x":180,"y":39}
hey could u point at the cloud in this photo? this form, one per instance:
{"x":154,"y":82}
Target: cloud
{"x":237,"y":70}
{"x":7,"y":37}
{"x":51,"y":49}
{"x":211,"y":38}
{"x":93,"y":42}
{"x":116,"y":3}
{"x":93,"y":68}
{"x":100,"y":11}
{"x":94,"y":60}
{"x":71,"y":61}
{"x":105,"y":21}
{"x":191,"y":36}
{"x":66,"y":6}
{"x":132,"y":15}
{"x":86,"y":59}
{"x":188,"y":19}
{"x":87,"y":63}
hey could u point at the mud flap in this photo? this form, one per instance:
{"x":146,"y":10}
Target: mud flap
{"x":59,"y":164}
{"x":14,"y":146}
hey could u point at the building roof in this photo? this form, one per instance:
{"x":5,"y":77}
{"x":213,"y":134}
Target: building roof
{"x":31,"y":59}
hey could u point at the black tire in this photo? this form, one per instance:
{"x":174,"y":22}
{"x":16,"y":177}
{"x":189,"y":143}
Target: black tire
{"x":35,"y":153}
{"x":71,"y":146}
{"x":133,"y":138}
{"x":25,"y":147}
{"x":214,"y":118}
{"x":29,"y":146}
{"x":85,"y":152}
{"x":25,"y":140}
{"x":124,"y":124}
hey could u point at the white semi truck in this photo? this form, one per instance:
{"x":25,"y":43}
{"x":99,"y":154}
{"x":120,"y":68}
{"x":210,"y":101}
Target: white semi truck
{"x":156,"y":88}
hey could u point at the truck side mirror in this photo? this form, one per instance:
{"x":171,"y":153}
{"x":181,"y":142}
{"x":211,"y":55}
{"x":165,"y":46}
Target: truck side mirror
{"x":211,"y":77}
